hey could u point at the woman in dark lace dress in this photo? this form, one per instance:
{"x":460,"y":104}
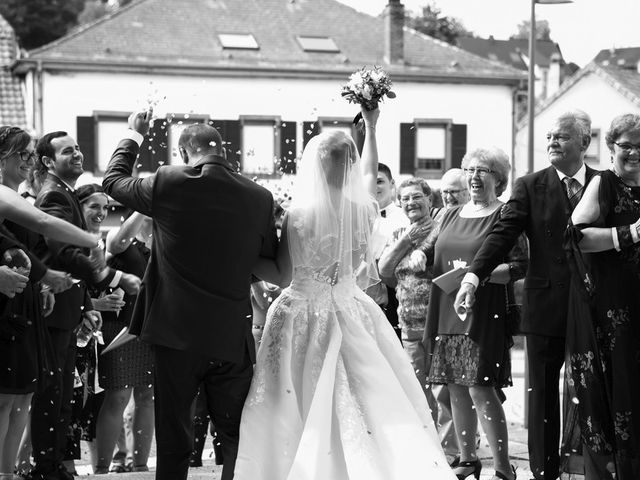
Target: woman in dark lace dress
{"x":128,"y":369}
{"x":603,"y":335}
{"x":471,"y":355}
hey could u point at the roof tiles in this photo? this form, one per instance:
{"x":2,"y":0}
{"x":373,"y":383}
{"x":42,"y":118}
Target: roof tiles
{"x":12,"y":110}
{"x":167,"y":33}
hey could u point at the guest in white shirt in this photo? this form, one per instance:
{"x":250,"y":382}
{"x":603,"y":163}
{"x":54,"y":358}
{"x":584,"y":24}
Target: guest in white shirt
{"x":390,"y":219}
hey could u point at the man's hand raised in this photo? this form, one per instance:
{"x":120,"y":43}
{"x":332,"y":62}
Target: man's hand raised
{"x":140,"y":121}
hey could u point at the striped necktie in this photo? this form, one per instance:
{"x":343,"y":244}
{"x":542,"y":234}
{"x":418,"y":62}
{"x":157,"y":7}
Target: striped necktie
{"x":574,"y":190}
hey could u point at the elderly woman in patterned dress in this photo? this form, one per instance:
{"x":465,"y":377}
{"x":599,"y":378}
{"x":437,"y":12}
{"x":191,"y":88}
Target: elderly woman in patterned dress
{"x":413,"y":283}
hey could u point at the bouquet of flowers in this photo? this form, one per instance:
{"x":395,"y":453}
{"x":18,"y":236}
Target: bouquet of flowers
{"x":367,"y":87}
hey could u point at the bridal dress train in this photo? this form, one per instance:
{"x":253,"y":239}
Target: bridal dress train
{"x":334,"y":396}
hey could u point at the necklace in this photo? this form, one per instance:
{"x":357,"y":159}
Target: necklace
{"x":476,"y":207}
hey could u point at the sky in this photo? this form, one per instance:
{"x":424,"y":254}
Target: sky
{"x":581,"y":28}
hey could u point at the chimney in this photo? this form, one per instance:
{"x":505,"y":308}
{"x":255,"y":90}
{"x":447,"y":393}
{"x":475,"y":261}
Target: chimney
{"x":554,"y":76}
{"x":393,"y":16}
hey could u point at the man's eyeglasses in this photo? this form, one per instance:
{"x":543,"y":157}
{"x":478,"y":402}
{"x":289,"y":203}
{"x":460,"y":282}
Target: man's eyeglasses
{"x":26,"y":156}
{"x":451,"y":192}
{"x":481,"y":171}
{"x":558,"y":137}
{"x":628,"y":147}
{"x":411,"y":198}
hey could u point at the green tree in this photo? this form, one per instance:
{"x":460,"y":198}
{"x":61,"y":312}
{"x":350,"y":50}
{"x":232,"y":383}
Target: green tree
{"x":434,"y":24}
{"x":38,"y":22}
{"x":543,"y":31}
{"x":93,"y":10}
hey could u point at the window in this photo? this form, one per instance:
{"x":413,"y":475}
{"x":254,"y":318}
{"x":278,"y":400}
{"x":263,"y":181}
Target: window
{"x":592,"y":155}
{"x":110,"y":131}
{"x":317,"y":44}
{"x":238,"y":41}
{"x":259,"y":151}
{"x":330,"y":124}
{"x":174,"y":129}
{"x":429,"y":147}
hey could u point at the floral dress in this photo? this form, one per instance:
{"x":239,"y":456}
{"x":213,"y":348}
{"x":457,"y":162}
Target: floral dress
{"x":603,"y":340}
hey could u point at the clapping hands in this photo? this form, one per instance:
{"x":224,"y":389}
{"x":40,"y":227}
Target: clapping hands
{"x":111,"y":302}
{"x":14,"y":273}
{"x":58,"y":281}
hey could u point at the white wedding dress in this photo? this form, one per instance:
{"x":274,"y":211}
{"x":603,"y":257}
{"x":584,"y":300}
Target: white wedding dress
{"x":334,"y":396}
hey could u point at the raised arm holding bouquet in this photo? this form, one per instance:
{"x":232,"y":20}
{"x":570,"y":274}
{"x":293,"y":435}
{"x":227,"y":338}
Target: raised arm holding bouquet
{"x":367,"y":87}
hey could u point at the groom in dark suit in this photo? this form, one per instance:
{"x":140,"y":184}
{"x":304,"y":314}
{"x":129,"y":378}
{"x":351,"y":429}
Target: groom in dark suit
{"x":540,"y":206}
{"x":210,"y":226}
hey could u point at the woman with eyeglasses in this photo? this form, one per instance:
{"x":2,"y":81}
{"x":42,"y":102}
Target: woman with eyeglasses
{"x":26,"y":361}
{"x":413,"y":285}
{"x":471,"y":354}
{"x":603,"y":325}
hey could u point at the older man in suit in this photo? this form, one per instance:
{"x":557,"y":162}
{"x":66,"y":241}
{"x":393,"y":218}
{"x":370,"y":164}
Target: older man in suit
{"x":60,"y":159}
{"x":210,"y":226}
{"x":540,"y":206}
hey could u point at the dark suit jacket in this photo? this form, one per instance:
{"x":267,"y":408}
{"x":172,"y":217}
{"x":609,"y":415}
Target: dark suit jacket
{"x":539,"y":207}
{"x":57,"y":199}
{"x":210,"y":225}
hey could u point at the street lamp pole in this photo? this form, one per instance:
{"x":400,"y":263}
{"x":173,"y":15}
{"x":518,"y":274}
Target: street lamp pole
{"x":531,"y":91}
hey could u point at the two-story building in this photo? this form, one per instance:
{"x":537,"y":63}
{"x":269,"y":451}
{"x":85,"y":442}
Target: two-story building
{"x":268,"y":74}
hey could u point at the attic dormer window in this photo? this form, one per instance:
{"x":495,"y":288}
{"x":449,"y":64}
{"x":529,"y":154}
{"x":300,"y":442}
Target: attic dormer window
{"x":317,"y":44}
{"x":238,"y":41}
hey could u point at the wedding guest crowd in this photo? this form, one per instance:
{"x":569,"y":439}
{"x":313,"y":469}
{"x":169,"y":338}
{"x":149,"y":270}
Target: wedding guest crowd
{"x":573,"y":233}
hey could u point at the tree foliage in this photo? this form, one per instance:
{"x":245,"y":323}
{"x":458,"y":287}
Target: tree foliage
{"x":38,"y":22}
{"x":543,"y":31}
{"x":434,"y":24}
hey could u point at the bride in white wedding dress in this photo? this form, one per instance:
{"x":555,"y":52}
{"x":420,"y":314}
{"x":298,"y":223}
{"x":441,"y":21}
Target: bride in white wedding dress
{"x":333,"y":396}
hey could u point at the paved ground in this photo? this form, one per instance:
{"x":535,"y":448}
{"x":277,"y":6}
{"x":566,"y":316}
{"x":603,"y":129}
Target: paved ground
{"x":514,"y":410}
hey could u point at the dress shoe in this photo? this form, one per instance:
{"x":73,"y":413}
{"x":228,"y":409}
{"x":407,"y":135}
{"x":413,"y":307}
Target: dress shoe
{"x":469,"y":468}
{"x":502,"y":476}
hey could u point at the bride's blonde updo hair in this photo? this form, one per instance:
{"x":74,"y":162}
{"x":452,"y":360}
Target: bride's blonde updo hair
{"x":337,"y":152}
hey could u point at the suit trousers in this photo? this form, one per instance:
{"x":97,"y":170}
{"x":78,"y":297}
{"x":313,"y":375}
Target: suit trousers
{"x":178,"y":375}
{"x":545,"y":357}
{"x":51,"y":410}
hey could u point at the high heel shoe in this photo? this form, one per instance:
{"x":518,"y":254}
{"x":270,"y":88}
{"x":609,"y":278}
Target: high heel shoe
{"x":502,"y":476}
{"x":477,"y":468}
